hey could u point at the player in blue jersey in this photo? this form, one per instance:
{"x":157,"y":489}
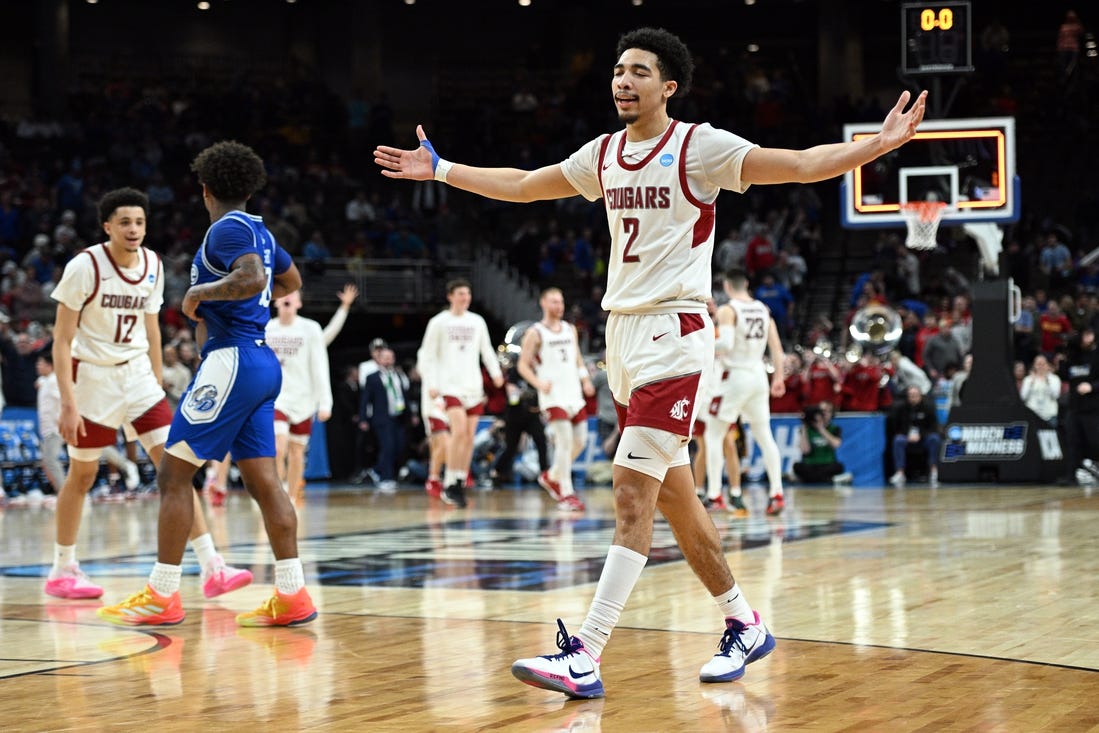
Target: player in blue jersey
{"x":229,"y":405}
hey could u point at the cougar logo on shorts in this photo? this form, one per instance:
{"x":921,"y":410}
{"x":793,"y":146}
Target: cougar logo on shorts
{"x":679,"y":409}
{"x":204,"y":398}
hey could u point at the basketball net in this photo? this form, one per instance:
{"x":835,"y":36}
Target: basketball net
{"x":922,"y":218}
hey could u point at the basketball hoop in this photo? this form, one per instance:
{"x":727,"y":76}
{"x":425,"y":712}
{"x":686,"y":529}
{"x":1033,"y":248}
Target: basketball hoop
{"x":922,"y":218}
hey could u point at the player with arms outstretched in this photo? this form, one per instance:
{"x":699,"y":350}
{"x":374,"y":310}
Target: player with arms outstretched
{"x":658,"y":179}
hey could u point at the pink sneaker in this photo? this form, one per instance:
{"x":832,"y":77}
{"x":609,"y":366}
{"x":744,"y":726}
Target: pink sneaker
{"x":219,"y":578}
{"x":72,"y":583}
{"x":550,"y":485}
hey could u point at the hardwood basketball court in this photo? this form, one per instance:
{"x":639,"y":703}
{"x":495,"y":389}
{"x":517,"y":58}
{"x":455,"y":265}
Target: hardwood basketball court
{"x":950,"y":609}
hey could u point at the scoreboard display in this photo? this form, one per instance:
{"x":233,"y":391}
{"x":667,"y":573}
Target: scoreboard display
{"x":936,"y":38}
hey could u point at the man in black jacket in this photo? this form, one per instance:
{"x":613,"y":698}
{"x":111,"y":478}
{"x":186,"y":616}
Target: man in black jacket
{"x":523,"y":415}
{"x":1080,"y":371}
{"x":915,"y":422}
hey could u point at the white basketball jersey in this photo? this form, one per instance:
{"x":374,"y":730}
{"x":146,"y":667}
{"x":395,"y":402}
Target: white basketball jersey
{"x":451,"y":354}
{"x":556,"y":362}
{"x":112,"y":302}
{"x":306,"y":385}
{"x":753,"y":323}
{"x":659,"y":195}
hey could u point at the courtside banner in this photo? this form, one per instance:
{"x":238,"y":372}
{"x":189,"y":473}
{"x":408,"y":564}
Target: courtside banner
{"x":862,"y":451}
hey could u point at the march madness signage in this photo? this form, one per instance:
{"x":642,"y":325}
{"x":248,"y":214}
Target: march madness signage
{"x":977,"y":442}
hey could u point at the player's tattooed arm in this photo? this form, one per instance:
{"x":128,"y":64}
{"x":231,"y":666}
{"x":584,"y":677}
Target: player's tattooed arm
{"x":246,"y":279}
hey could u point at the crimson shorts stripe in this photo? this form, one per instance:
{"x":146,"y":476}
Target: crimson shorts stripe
{"x":157,"y":416}
{"x":689,"y":323}
{"x":96,"y":436}
{"x":665,"y":405}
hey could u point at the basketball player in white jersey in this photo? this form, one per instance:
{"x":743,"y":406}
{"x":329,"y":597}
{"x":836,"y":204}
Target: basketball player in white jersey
{"x":455,"y":344}
{"x":745,"y":331}
{"x":107,"y":358}
{"x":706,"y":446}
{"x":658,"y":179}
{"x":550,"y":361}
{"x":306,"y":388}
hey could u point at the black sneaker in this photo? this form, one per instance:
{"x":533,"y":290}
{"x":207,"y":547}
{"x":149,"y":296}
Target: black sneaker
{"x":455,"y":494}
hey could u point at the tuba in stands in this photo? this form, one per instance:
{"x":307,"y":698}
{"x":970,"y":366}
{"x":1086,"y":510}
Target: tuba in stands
{"x":875,"y":329}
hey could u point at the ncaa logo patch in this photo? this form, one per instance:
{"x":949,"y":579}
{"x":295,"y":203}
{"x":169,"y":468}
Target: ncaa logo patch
{"x":667,"y":159}
{"x":203,"y":398}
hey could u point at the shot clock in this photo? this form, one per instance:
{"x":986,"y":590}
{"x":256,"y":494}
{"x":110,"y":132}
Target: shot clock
{"x":936,"y":38}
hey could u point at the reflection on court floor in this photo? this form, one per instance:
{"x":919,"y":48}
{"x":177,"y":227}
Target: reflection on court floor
{"x":490,"y":553}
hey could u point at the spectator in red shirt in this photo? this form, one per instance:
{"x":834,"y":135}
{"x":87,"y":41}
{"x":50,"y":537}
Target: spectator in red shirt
{"x":929,"y":328}
{"x":794,"y":398}
{"x":862,"y":385}
{"x":823,"y":381}
{"x":1055,"y":327}
{"x":761,"y":255}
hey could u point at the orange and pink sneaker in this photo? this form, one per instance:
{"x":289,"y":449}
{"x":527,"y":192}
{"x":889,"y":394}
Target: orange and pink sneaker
{"x":147,"y":608}
{"x":219,"y":578}
{"x":281,"y":609}
{"x":72,"y":583}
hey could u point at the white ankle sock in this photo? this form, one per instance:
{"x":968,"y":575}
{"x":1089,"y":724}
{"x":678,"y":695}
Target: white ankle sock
{"x":733,"y":605}
{"x":203,"y":545}
{"x":165,"y":578}
{"x":63,"y":557}
{"x":289,"y":575}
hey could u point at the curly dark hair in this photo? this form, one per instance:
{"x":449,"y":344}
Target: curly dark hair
{"x":112,"y":200}
{"x":231,"y":171}
{"x":673,"y":59}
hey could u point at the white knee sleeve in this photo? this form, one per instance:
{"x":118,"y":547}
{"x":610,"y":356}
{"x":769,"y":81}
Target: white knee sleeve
{"x":650,"y":451}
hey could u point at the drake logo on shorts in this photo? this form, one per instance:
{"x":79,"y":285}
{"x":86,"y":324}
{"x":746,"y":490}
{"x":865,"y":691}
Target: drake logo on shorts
{"x":204,"y":398}
{"x":679,"y":409}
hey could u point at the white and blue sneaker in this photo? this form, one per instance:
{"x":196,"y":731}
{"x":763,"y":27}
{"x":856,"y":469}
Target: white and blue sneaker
{"x":574,"y":671}
{"x":741,"y":645}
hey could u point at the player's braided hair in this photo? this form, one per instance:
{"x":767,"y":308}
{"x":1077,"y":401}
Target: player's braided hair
{"x":231,"y":171}
{"x":672,"y":56}
{"x":112,"y":200}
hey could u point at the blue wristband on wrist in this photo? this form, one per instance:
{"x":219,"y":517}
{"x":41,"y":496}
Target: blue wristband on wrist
{"x":434,"y":155}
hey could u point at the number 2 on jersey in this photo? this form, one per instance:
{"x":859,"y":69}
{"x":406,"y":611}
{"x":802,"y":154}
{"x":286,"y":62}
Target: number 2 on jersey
{"x":632,"y":227}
